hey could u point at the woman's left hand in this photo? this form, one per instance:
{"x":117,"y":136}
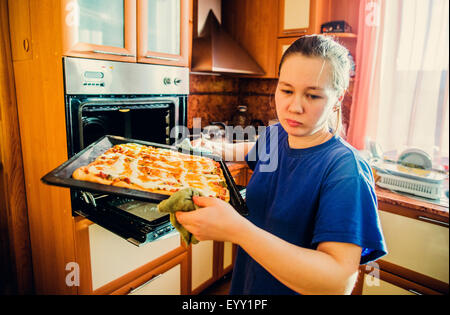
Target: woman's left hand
{"x":214,"y":220}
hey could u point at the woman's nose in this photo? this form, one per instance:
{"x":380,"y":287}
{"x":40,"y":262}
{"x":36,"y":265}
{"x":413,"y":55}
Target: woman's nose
{"x":296,"y":105}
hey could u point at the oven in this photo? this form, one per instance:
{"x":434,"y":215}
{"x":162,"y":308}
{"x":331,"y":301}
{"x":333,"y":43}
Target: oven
{"x":130,"y":100}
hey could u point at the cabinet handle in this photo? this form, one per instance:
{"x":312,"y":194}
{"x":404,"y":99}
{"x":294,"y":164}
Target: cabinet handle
{"x":414,"y":292}
{"x":162,"y":58}
{"x":26,"y":45}
{"x":112,"y":53}
{"x":144,"y":284}
{"x":433,"y":221}
{"x":295,"y":31}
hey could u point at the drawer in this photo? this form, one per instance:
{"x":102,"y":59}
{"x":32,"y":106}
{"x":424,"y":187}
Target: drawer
{"x":112,"y":257}
{"x":167,"y":283}
{"x":382,"y":287}
{"x":169,"y":278}
{"x":379,"y":282}
{"x":416,"y":245}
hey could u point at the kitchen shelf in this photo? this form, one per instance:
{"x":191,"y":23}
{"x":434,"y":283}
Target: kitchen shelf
{"x":342,"y":35}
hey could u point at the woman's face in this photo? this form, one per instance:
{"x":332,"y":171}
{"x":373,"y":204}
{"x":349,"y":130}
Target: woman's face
{"x":305,"y":96}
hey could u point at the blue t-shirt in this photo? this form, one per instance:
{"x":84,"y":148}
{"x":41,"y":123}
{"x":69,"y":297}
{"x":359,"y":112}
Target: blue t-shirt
{"x":307,"y":196}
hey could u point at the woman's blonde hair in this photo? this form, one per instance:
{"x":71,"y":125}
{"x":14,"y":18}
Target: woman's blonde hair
{"x":331,"y":51}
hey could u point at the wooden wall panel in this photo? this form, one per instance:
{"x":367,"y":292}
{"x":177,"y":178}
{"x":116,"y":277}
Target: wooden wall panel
{"x":15,"y":244}
{"x":40,"y":98}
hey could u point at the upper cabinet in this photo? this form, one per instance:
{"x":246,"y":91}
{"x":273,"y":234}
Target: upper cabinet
{"x":163,"y":31}
{"x":102,"y":29}
{"x":148,"y":31}
{"x":296,"y":17}
{"x":267,"y":31}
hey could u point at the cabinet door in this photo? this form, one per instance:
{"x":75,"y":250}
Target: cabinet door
{"x":102,"y":29}
{"x":107,"y":262}
{"x":296,"y":17}
{"x":202,"y":265}
{"x":380,"y":282}
{"x":20,"y":29}
{"x":416,"y":245}
{"x":163,"y":31}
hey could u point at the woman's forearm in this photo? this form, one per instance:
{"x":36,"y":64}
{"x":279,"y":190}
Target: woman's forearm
{"x":232,"y":152}
{"x":303,"y":270}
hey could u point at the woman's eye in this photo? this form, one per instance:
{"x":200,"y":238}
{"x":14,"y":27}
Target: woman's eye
{"x":314,"y":97}
{"x":287,"y":91}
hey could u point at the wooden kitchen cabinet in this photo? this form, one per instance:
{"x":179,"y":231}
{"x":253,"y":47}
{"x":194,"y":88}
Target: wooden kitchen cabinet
{"x":202,"y":265}
{"x":254,"y":27}
{"x":104,"y":29}
{"x":296,"y":17}
{"x":169,"y":278}
{"x":146,"y":31}
{"x":226,"y":255}
{"x":266,"y":31}
{"x":106,"y":271}
{"x":20,"y":29}
{"x":59,"y":241}
{"x":163,"y":31}
{"x":380,"y":282}
{"x":417,"y":239}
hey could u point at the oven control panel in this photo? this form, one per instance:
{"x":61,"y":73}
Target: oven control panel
{"x":100,"y":77}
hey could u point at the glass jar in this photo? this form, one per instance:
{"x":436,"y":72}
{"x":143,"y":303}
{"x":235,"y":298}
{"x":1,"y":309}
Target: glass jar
{"x":240,"y":118}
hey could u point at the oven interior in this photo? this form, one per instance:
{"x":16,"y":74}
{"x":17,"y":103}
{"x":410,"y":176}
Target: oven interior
{"x":148,"y":118}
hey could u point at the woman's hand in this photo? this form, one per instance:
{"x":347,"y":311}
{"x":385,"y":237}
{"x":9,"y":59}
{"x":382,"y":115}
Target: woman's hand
{"x":217,"y":148}
{"x":214,"y":220}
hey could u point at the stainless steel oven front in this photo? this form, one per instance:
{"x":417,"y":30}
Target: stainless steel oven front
{"x":136,"y":101}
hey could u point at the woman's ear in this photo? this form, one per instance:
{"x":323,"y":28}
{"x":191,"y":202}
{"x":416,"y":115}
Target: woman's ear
{"x":337,"y":106}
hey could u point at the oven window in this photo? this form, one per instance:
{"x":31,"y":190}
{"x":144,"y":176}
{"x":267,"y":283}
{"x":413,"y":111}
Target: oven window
{"x":147,"y":124}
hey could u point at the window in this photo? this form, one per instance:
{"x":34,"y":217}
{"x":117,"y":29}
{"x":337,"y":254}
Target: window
{"x":413,"y":107}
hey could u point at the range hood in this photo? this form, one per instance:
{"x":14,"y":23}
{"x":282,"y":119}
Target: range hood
{"x":214,"y":50}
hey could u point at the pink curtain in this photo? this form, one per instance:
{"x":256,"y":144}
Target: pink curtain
{"x":367,"y":78}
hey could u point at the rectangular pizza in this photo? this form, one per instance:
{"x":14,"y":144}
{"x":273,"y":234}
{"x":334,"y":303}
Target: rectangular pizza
{"x":156,"y":170}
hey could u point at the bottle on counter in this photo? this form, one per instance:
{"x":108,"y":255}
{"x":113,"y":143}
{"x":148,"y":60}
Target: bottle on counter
{"x":240,"y":118}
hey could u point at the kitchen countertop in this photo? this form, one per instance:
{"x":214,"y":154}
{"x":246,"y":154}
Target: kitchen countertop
{"x":390,"y":200}
{"x":234,"y":166}
{"x":394,"y":199}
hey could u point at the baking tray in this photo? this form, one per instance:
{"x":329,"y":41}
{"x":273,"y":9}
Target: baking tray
{"x":62,"y":175}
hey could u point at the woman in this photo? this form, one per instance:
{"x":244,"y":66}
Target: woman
{"x":312,"y":205}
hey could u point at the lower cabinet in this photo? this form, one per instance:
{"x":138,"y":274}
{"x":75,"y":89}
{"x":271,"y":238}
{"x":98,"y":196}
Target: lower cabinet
{"x":417,"y":260}
{"x":210,"y":261}
{"x":380,"y":282}
{"x":168,"y":279}
{"x":202,"y":266}
{"x":108,"y":264}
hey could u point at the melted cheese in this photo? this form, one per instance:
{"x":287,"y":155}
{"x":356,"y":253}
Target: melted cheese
{"x":195,"y":172}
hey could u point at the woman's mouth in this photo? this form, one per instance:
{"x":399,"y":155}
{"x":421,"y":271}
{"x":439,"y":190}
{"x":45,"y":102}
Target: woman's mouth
{"x":293,"y":123}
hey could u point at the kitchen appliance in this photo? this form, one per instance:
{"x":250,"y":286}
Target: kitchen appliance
{"x":412,"y":173}
{"x":138,"y":101}
{"x":214,"y":50}
{"x":129,"y":213}
{"x":336,"y":27}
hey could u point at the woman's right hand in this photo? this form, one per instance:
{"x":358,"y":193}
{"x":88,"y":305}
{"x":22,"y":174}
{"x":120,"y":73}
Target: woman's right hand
{"x":216,"y":148}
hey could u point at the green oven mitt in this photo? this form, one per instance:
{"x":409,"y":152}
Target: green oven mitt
{"x":180,"y":201}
